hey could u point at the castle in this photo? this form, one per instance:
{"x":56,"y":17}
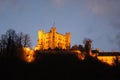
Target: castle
{"x":52,"y":40}
{"x":55,"y":40}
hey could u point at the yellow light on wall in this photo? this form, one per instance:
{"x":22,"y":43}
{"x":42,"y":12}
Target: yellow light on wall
{"x":28,"y":55}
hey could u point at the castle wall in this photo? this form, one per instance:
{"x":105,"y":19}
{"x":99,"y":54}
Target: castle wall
{"x":52,"y":40}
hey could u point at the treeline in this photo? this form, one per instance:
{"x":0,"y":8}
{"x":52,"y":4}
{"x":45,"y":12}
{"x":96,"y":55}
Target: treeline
{"x":11,"y":43}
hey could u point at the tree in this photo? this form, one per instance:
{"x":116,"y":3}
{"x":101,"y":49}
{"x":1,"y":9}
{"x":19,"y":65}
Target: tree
{"x":11,"y":43}
{"x":87,"y":42}
{"x":24,"y":40}
{"x":3,"y":44}
{"x":81,"y":48}
{"x":75,"y":47}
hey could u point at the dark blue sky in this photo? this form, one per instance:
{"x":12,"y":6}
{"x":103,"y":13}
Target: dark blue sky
{"x":98,"y":20}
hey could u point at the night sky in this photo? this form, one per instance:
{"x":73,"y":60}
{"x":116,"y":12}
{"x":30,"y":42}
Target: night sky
{"x":98,"y":20}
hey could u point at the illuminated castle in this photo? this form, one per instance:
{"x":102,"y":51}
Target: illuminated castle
{"x":52,"y":40}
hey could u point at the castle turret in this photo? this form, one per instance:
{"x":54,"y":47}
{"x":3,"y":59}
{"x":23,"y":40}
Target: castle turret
{"x":40,"y":39}
{"x":68,"y":40}
{"x":53,"y":30}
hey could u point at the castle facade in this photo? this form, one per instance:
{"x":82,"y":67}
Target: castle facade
{"x":52,"y":40}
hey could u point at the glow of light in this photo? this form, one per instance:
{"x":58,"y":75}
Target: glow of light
{"x":80,"y":55}
{"x":28,"y":55}
{"x":107,"y":59}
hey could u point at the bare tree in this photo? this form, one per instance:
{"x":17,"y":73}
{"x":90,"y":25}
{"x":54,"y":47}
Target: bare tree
{"x":12,"y":41}
{"x":26,"y":40}
{"x":19,"y":39}
{"x":3,"y":44}
{"x":23,"y":40}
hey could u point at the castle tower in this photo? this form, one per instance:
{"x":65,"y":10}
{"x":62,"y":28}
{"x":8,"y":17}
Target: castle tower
{"x":41,"y":39}
{"x":68,"y":40}
{"x":53,"y":33}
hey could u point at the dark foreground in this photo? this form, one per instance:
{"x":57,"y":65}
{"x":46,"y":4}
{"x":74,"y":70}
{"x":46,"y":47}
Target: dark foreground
{"x":57,"y":67}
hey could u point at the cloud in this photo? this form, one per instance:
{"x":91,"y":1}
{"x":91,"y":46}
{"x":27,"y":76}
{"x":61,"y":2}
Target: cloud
{"x":108,"y":9}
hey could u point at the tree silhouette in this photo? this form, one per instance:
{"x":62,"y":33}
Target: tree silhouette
{"x":78,"y":47}
{"x":75,"y":47}
{"x":87,"y":42}
{"x":11,"y":43}
{"x":81,"y":48}
{"x":24,"y":40}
